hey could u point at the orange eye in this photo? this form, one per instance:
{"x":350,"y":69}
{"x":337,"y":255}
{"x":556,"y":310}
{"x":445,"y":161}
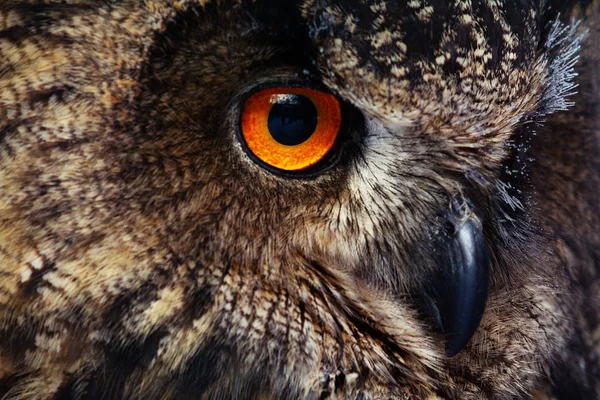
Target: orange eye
{"x":291,"y":128}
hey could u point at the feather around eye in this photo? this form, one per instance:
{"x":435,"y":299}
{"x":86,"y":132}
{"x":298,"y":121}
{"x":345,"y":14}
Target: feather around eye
{"x":291,"y":128}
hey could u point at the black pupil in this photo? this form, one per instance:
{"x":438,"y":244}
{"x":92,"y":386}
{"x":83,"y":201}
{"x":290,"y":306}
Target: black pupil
{"x":293,"y":119}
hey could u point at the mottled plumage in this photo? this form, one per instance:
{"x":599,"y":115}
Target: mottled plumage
{"x":145,"y":255}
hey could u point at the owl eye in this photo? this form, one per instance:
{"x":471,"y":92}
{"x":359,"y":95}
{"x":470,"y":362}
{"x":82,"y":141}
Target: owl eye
{"x":290,"y":129}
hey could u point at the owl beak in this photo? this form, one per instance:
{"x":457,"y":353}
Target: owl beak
{"x":459,"y":293}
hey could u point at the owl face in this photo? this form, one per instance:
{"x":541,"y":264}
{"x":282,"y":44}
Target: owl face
{"x":214,"y":200}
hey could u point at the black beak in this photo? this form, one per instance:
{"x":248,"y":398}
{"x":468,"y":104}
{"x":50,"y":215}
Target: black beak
{"x":459,"y":291}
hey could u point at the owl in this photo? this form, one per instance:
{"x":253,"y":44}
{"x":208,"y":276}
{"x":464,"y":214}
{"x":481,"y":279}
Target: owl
{"x":299,"y":199}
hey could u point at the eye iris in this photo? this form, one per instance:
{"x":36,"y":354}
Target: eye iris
{"x":290,"y":128}
{"x":292,"y":119}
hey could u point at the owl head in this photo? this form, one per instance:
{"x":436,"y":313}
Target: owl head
{"x":300,"y":199}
